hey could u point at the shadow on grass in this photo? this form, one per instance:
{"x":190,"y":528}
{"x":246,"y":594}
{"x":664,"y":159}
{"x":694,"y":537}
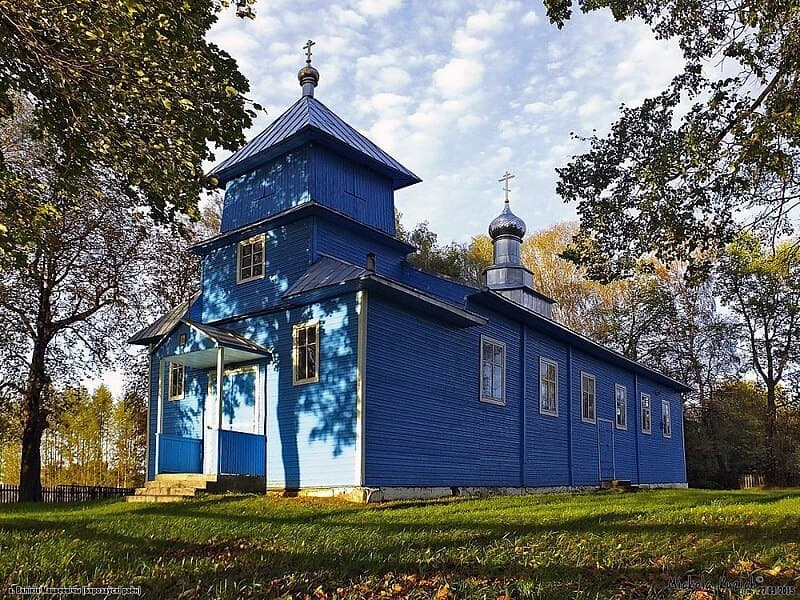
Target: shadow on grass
{"x":298,"y":545}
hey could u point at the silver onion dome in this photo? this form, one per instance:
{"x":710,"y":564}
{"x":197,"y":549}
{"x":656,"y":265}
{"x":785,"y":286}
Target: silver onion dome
{"x":507,"y":223}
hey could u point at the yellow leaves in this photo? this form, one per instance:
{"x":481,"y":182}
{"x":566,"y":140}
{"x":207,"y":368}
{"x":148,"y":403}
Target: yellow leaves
{"x":167,"y":103}
{"x":444,"y":593}
{"x":231,"y":91}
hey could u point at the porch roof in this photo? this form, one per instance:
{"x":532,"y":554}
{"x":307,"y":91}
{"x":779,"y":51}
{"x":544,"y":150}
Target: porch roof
{"x":237,"y":348}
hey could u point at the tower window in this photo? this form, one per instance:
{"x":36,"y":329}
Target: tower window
{"x":305,"y":353}
{"x":250,"y":260}
{"x":493,"y":371}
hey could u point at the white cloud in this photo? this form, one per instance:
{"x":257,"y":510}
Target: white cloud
{"x":530,"y":18}
{"x":458,"y":76}
{"x":378,"y":8}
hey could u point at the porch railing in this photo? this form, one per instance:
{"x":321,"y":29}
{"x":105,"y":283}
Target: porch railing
{"x":241,"y":453}
{"x":178,"y":454}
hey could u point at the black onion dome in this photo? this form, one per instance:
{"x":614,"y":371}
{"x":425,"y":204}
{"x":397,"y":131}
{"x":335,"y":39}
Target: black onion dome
{"x":507,"y":223}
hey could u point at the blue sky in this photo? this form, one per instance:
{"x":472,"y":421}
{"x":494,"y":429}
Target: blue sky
{"x":456,"y":91}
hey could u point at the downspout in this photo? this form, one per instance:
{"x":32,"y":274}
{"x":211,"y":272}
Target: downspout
{"x":361,"y":380}
{"x":149,"y":408}
{"x":524,"y":402}
{"x":569,"y":415}
{"x":159,"y":411}
{"x":637,"y":405}
{"x":220,"y":375}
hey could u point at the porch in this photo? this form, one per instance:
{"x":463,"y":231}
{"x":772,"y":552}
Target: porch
{"x":231,"y":440}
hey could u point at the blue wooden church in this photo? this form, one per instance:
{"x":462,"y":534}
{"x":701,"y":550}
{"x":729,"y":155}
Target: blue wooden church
{"x":315,"y":359}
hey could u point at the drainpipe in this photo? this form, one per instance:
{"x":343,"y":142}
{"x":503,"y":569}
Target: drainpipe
{"x":220,"y":374}
{"x":524,"y":402}
{"x":569,"y":415}
{"x":637,"y":405}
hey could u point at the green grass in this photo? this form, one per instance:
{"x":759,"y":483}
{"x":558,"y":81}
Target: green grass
{"x":558,"y":545}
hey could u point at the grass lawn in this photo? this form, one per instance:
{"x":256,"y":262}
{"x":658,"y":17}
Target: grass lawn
{"x":553,"y":546}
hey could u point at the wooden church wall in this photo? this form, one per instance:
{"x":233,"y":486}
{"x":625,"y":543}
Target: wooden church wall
{"x":351,"y":188}
{"x":287,"y":256}
{"x":274,"y":187}
{"x":426,"y":425}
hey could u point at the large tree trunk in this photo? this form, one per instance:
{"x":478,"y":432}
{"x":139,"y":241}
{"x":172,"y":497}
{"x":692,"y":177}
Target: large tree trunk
{"x":775,"y":474}
{"x":30,"y":473}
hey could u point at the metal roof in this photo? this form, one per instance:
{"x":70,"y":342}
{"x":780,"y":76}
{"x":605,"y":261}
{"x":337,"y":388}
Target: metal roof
{"x":326,"y":271}
{"x":309,"y":115}
{"x":228,"y":339}
{"x":163,"y":325}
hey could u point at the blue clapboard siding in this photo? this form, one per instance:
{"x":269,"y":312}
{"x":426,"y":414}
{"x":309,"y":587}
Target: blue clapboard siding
{"x":287,"y":256}
{"x":352,"y":189}
{"x":241,"y":453}
{"x":274,"y":187}
{"x":661,"y":458}
{"x":443,"y":288}
{"x":346,"y":244}
{"x":425,"y":425}
{"x":179,"y":454}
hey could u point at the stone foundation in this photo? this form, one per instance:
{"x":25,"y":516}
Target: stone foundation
{"x":366,"y":495}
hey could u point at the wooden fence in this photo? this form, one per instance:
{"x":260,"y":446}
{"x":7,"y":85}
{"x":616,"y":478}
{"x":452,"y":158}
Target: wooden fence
{"x":67,"y":493}
{"x":751,"y":480}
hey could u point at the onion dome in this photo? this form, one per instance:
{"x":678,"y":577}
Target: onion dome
{"x":507,"y":223}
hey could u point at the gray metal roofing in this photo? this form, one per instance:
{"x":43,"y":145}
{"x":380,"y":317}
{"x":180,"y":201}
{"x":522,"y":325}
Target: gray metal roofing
{"x":229,"y":339}
{"x":326,"y":271}
{"x":164,"y":324}
{"x":309,"y":112}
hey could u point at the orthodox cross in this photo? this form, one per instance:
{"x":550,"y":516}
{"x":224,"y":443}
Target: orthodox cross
{"x":307,"y":48}
{"x":506,"y":176}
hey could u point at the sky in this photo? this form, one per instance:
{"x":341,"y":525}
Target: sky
{"x":458,"y":92}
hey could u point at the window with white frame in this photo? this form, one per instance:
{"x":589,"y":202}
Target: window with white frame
{"x":588,"y":397}
{"x":666,"y":422}
{"x":548,"y":387}
{"x":493,"y":371}
{"x":621,"y":405}
{"x":305,"y":352}
{"x":250,"y":261}
{"x":645,"y":413}
{"x":176,"y":380}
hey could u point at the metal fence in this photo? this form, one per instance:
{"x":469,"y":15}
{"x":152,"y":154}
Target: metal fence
{"x":67,"y":493}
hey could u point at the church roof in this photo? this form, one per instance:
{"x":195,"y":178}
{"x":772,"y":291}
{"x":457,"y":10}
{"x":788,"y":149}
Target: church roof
{"x":164,"y":324}
{"x":308,"y":119}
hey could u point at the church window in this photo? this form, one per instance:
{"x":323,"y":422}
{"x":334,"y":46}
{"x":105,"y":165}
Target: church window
{"x":621,"y":405}
{"x":645,"y":413}
{"x":493,"y":371}
{"x":588,"y":397}
{"x":666,"y":422}
{"x":305,"y":352}
{"x":176,"y":379}
{"x":548,"y":387}
{"x":250,"y":262}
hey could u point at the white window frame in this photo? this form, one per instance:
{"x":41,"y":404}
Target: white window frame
{"x":253,"y":240}
{"x":176,"y":368}
{"x":584,"y":391}
{"x":542,"y":363}
{"x":666,"y":419}
{"x":624,"y":412}
{"x":488,"y":398}
{"x":649,"y":412}
{"x":296,"y":356}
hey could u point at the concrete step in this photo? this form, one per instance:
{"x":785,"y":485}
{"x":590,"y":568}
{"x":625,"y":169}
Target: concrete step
{"x":168,"y":491}
{"x":200,"y":478}
{"x":155,"y":498}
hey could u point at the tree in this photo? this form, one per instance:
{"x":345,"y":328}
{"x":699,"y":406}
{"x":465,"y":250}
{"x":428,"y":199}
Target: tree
{"x":761,"y":285}
{"x":451,"y":260}
{"x":676,"y":176}
{"x":129,"y":89}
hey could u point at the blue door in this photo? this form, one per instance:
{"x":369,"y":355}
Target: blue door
{"x":605,"y":432}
